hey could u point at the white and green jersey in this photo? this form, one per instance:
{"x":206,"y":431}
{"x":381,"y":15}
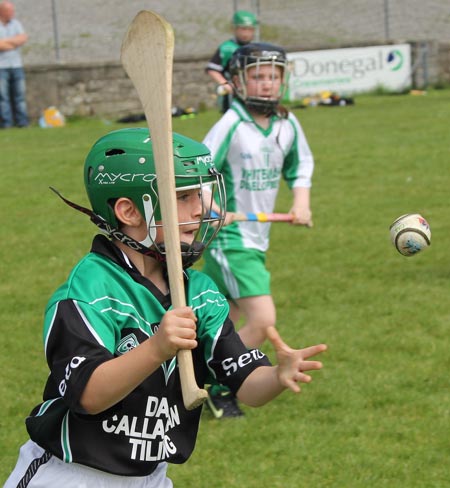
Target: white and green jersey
{"x":253,"y":161}
{"x":105,"y":309}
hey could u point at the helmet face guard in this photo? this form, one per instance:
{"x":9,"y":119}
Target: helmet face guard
{"x":257,"y":55}
{"x":121,"y":164}
{"x":211,"y":189}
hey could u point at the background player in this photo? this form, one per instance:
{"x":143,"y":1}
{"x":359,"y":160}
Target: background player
{"x":244,"y":24}
{"x":113,"y":413}
{"x":254,"y":145}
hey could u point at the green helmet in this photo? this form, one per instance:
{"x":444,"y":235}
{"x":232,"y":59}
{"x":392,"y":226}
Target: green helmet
{"x":121,"y":164}
{"x":243,"y":18}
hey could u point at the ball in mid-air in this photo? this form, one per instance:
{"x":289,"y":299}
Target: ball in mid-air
{"x":410,"y":234}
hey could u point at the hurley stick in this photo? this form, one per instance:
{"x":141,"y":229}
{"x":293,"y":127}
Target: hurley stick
{"x":147,"y":57}
{"x":259,"y":217}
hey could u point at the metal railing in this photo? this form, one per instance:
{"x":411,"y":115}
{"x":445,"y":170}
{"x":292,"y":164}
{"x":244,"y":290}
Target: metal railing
{"x":91,"y":30}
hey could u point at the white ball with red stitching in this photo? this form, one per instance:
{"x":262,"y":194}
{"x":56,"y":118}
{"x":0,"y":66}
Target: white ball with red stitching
{"x":410,"y":234}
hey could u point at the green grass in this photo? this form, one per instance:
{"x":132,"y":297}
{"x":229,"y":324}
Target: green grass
{"x":377,"y":415}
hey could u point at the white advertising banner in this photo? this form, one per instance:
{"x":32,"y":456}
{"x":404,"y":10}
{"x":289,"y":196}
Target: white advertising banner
{"x":350,"y":70}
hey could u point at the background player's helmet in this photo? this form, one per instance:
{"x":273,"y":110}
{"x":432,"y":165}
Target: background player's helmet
{"x":257,"y":54}
{"x":121,"y":164}
{"x":243,"y":18}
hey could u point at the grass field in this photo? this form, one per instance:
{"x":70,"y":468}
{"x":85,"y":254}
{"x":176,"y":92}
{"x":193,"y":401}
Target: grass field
{"x":377,"y":415}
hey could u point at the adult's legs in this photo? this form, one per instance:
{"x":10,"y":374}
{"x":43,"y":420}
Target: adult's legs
{"x":6,"y":119}
{"x":18,"y":92}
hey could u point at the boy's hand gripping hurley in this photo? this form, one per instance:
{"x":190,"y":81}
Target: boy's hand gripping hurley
{"x":147,"y":57}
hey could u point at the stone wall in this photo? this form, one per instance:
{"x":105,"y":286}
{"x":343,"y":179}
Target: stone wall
{"x":430,"y":63}
{"x":104,"y":89}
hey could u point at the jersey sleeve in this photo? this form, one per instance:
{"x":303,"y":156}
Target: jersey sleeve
{"x":215,"y":64}
{"x":74,"y":349}
{"x":222,"y":56}
{"x":219,"y":137}
{"x":229,"y":361}
{"x":298,"y":164}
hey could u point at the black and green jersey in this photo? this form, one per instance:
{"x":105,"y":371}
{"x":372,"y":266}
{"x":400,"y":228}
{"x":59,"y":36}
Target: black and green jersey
{"x":105,"y":308}
{"x":221,"y":58}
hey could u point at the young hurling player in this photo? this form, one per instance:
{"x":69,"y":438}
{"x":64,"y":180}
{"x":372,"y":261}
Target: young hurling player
{"x":254,"y":145}
{"x":244,"y":24}
{"x":112,"y":413}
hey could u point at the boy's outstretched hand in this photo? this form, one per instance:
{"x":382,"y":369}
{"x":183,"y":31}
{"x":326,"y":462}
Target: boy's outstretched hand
{"x":292,"y":363}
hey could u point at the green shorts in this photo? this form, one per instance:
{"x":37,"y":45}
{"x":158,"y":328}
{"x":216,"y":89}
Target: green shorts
{"x":238,"y":273}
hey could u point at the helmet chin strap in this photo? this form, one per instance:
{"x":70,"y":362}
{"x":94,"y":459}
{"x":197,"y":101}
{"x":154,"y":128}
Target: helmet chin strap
{"x":150,"y":221}
{"x":263,"y":106}
{"x":190,"y":253}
